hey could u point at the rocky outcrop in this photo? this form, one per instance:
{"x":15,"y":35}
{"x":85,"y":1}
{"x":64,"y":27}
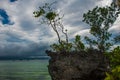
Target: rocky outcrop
{"x":90,"y":65}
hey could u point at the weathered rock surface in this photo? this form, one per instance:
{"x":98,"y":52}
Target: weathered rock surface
{"x":77,"y":65}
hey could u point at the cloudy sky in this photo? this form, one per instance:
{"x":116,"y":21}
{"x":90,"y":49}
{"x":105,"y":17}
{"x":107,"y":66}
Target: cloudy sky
{"x":22,"y":34}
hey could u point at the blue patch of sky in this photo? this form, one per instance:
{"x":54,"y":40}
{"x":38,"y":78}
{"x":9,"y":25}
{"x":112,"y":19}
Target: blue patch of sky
{"x":5,"y":17}
{"x":13,"y":0}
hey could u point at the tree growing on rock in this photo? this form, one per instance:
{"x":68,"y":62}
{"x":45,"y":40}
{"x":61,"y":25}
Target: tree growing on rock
{"x":101,"y":19}
{"x":51,"y":17}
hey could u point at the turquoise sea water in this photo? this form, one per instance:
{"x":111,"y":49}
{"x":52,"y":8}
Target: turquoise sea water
{"x":24,"y":70}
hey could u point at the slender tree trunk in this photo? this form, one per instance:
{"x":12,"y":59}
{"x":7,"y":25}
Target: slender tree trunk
{"x":65,"y":33}
{"x":54,"y":28}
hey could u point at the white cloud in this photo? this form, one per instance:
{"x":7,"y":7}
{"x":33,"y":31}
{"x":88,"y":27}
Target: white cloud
{"x":104,"y":2}
{"x":27,"y":28}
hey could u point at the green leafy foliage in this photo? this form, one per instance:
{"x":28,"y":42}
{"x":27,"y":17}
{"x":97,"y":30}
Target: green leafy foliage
{"x":101,"y":19}
{"x":78,"y":45}
{"x":114,"y":75}
{"x":39,"y":13}
{"x":42,"y":12}
{"x":115,"y":65}
{"x":115,"y":57}
{"x":51,"y":15}
{"x":46,"y":12}
{"x":62,"y":47}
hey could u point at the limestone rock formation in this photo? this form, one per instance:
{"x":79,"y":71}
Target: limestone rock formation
{"x":90,"y":65}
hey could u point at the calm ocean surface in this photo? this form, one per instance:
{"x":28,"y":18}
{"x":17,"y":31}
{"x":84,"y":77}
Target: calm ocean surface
{"x":24,"y":70}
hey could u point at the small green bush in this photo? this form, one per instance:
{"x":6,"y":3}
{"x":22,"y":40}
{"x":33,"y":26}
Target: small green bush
{"x":115,"y":65}
{"x":115,"y":57}
{"x":77,"y":45}
{"x":114,"y":75}
{"x":63,"y":46}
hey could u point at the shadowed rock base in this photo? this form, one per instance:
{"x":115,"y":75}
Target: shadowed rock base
{"x":77,"y":65}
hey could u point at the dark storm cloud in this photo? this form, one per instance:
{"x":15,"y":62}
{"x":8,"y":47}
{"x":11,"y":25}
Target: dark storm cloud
{"x":23,"y":50}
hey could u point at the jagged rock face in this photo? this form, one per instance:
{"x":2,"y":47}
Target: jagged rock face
{"x":77,"y":66}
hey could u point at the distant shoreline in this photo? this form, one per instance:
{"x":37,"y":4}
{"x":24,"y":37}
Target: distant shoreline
{"x":25,"y":58}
